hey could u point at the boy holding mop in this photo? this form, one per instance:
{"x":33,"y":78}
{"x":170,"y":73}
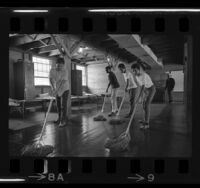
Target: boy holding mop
{"x":132,"y":87}
{"x":113,"y":82}
{"x":148,"y":88}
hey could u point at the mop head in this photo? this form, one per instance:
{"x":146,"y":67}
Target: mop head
{"x":118,"y":144}
{"x":37,"y":150}
{"x":116,"y":121}
{"x":99,"y":118}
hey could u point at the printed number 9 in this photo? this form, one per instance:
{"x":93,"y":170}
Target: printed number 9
{"x":150,"y":177}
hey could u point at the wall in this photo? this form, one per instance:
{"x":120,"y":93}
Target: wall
{"x":159,"y":78}
{"x":32,"y":91}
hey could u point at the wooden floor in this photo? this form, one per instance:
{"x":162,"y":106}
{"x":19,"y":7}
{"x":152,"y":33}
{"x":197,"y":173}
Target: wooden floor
{"x":82,"y":137}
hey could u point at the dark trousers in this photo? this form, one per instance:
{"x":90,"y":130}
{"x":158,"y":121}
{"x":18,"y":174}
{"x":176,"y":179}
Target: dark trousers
{"x":62,"y":105}
{"x":169,"y":92}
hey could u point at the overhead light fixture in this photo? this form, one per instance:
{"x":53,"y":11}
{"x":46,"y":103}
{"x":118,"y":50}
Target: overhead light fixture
{"x":144,"y":10}
{"x":30,"y":11}
{"x":80,"y":50}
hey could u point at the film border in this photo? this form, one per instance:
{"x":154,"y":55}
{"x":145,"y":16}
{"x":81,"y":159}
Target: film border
{"x":182,"y":24}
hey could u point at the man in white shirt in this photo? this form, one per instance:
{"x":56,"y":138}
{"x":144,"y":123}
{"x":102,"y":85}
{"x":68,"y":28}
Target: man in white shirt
{"x":132,"y":87}
{"x":148,"y":88}
{"x":60,"y":86}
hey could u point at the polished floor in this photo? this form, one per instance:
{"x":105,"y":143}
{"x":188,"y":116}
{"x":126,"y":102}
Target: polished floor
{"x":82,"y":137}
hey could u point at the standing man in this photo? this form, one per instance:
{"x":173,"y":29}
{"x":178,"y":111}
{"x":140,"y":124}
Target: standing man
{"x":60,"y":86}
{"x":113,"y":82}
{"x":132,"y":87}
{"x":170,"y":83}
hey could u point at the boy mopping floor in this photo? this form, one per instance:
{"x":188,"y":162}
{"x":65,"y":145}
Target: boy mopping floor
{"x":132,"y":86}
{"x":148,"y":89}
{"x":60,"y":87}
{"x":113,"y":82}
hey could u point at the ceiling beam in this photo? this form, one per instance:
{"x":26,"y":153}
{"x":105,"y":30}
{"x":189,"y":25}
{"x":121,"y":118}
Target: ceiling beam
{"x":16,"y":41}
{"x":47,"y":49}
{"x":34,"y":38}
{"x":75,"y":46}
{"x":54,"y":52}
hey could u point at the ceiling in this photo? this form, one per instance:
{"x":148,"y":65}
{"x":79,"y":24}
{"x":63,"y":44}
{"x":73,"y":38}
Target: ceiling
{"x":168,"y":48}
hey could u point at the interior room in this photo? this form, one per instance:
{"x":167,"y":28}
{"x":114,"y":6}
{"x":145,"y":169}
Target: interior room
{"x":31,"y":58}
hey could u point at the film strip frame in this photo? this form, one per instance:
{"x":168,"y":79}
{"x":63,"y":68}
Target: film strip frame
{"x":107,"y":170}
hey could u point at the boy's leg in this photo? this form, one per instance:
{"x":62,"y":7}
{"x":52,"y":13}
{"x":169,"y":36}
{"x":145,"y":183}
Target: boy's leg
{"x":131,"y":101}
{"x":112,"y":102}
{"x":148,"y":101}
{"x":133,"y":96}
{"x":170,"y":96}
{"x":64,"y":106}
{"x":115,"y":101}
{"x":112,"y":99}
{"x":58,"y":104}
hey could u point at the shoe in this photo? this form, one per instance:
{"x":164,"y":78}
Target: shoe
{"x":141,"y":121}
{"x":142,"y":126}
{"x":128,"y":116}
{"x":115,"y":113}
{"x":57,"y":121}
{"x":146,"y":125}
{"x":111,"y":114}
{"x":62,"y":124}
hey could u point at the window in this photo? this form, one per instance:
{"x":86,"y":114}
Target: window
{"x":178,"y":77}
{"x":179,"y":80}
{"x":42,"y":68}
{"x":83,"y":69}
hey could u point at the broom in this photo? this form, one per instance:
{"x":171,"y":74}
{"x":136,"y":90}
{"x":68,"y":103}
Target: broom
{"x":121,"y":142}
{"x":38,"y":148}
{"x":101,"y":117}
{"x":117,"y":120}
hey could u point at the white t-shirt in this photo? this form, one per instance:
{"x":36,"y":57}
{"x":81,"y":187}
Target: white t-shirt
{"x":128,"y":76}
{"x":57,"y":77}
{"x":145,"y":80}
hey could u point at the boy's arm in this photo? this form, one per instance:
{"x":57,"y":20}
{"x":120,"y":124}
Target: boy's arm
{"x":136,"y":81}
{"x":108,"y":87}
{"x":51,"y":83}
{"x":51,"y":80}
{"x":127,"y":83}
{"x":166,"y":85}
{"x":141,"y":93}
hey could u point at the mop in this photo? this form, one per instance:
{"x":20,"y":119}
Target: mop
{"x":117,"y":120}
{"x":121,"y":142}
{"x":39,"y":148}
{"x":100,"y":117}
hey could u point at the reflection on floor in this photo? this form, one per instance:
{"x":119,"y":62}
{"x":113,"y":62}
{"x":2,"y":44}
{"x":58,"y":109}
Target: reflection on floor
{"x":82,"y":137}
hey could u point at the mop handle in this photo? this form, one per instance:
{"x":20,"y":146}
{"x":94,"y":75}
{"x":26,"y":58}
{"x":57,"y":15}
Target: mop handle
{"x":121,"y":104}
{"x":104,"y":101}
{"x":133,"y":113}
{"x":44,"y":124}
